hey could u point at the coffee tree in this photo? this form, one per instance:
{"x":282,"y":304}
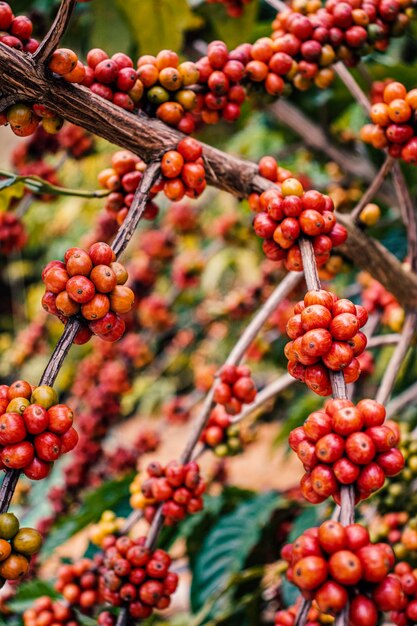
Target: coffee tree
{"x":195,"y":296}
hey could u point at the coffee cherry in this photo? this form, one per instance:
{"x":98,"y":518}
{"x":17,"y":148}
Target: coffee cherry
{"x":27,"y":541}
{"x":310,"y":572}
{"x":9,"y":525}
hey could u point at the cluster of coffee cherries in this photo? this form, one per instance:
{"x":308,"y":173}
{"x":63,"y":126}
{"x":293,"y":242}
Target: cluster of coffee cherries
{"x":325,"y":334}
{"x":405,"y":612}
{"x":335,"y":564}
{"x":136,"y":577}
{"x":183,"y":171}
{"x":288,"y":617}
{"x":122,"y":180}
{"x":166,"y":88}
{"x":16,"y":32}
{"x":79,"y":584}
{"x":17,"y":546}
{"x":221,"y":435}
{"x":90,"y":285}
{"x":13,"y":235}
{"x":221,"y":73}
{"x":309,"y":38}
{"x":398,"y":494}
{"x":236,"y":387}
{"x":234,"y":8}
{"x":375,"y":297}
{"x":288,"y":213}
{"x":108,"y":524}
{"x":344,"y":444}
{"x":34,"y":429}
{"x":46,"y":611}
{"x":178,"y":488}
{"x":24,"y":120}
{"x":65,"y":63}
{"x":393,"y":124}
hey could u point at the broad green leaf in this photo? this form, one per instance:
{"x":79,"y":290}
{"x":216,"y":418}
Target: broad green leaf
{"x":111,"y":30}
{"x":228,"y":544}
{"x":158,"y":24}
{"x":28,"y":592}
{"x":112,"y":495}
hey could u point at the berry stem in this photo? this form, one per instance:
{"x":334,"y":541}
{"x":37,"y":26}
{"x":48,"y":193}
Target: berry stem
{"x":309,"y":265}
{"x":354,"y":88}
{"x":7,"y":488}
{"x":373,"y":187}
{"x":278,"y":5}
{"x":401,"y":349}
{"x":60,"y":352}
{"x":339,"y":390}
{"x":302,"y":615}
{"x":38,"y":185}
{"x":56,"y":32}
{"x":137,"y":208}
{"x":407,"y":212}
{"x":122,"y":620}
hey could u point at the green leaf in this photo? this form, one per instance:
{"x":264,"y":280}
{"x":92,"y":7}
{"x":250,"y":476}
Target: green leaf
{"x":30,"y":591}
{"x":113,"y":495}
{"x":309,"y":517}
{"x":156,"y":21}
{"x":229,"y":29}
{"x":290,"y":592}
{"x":110,"y":31}
{"x":228,"y":544}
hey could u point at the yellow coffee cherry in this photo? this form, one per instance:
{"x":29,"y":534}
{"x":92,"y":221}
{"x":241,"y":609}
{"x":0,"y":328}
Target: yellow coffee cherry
{"x":370,"y":214}
{"x":292,"y":187}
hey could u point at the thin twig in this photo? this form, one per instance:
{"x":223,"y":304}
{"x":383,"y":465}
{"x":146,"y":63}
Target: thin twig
{"x":286,"y":285}
{"x":73,"y":325}
{"x":339,"y":390}
{"x":407,"y":397}
{"x":278,"y":5}
{"x":309,"y":265}
{"x":408,"y":213}
{"x":383,"y":340}
{"x":60,"y":352}
{"x":373,"y":187}
{"x":7,"y":488}
{"x":302,"y":614}
{"x":391,"y":373}
{"x":291,"y":280}
{"x":38,"y":185}
{"x":269,"y":392}
{"x":315,"y":137}
{"x":137,"y":208}
{"x":56,"y":32}
{"x":122,"y":620}
{"x":352,"y":85}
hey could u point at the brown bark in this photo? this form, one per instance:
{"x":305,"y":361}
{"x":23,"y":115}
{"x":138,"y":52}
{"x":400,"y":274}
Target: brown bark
{"x":23,"y":79}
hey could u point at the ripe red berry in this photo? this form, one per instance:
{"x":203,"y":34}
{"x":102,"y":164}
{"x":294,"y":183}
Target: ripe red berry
{"x":360,"y":448}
